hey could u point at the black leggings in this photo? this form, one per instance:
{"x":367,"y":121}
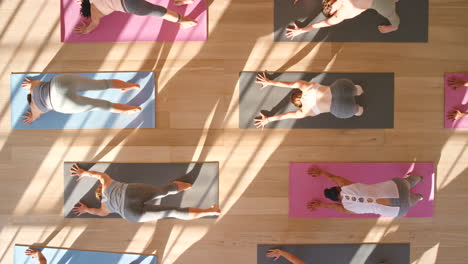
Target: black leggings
{"x":138,"y":194}
{"x":143,"y":8}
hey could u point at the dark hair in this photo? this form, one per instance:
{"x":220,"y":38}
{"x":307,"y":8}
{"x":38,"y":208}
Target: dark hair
{"x":294,"y":96}
{"x":332,"y":193}
{"x":85,"y":8}
{"x":29,"y":98}
{"x":327,"y":7}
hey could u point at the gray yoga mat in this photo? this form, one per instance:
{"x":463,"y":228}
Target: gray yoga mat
{"x":377,"y":100}
{"x":340,"y":253}
{"x":414,"y":16}
{"x":203,"y":176}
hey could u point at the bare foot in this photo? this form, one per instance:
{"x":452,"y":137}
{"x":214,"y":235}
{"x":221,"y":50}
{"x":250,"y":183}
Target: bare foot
{"x":387,"y":28}
{"x":360,"y":111}
{"x":359,"y":90}
{"x":187,"y":22}
{"x":133,"y":87}
{"x":182,"y":2}
{"x":182,"y":186}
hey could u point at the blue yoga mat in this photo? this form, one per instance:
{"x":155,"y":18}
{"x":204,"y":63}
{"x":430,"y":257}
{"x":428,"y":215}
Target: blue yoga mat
{"x":144,"y":97}
{"x":68,"y":256}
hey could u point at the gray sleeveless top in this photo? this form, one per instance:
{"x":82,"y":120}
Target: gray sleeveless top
{"x":114,"y":197}
{"x":41,"y":97}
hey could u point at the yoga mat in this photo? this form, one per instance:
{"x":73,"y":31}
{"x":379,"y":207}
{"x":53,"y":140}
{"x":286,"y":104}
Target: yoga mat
{"x":339,"y":253}
{"x":456,"y":99}
{"x":414,"y":24}
{"x":123,"y":27}
{"x":70,"y":256}
{"x":377,"y":100}
{"x":304,"y":188}
{"x":144,"y":97}
{"x":203,"y":176}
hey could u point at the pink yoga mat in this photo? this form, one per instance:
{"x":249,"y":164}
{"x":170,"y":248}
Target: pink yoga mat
{"x":122,"y":27}
{"x":456,"y":99}
{"x":303,"y":188}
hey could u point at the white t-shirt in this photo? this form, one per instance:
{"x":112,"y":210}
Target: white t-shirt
{"x":108,"y":6}
{"x":362,"y":198}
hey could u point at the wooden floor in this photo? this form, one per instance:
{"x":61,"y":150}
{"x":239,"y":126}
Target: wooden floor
{"x":197,"y":116}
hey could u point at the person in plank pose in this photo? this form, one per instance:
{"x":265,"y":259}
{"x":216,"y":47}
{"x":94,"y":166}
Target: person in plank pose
{"x":35,"y":253}
{"x":391,"y":198}
{"x":456,"y":84}
{"x":314,"y":98}
{"x":131,"y":200}
{"x":60,"y":95}
{"x":97,"y":9}
{"x":337,"y":11}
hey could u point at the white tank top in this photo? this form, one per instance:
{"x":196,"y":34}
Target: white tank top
{"x":108,"y":6}
{"x":310,"y":99}
{"x":362,"y":198}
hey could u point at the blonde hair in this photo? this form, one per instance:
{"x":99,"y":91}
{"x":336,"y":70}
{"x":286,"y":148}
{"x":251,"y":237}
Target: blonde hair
{"x":98,"y":192}
{"x":296,"y":98}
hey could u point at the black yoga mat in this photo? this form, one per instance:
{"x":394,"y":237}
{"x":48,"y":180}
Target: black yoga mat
{"x":203,"y":176}
{"x":377,"y":100}
{"x":414,"y":16}
{"x":340,"y":253}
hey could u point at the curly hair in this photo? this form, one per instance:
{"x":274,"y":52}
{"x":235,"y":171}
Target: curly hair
{"x":327,"y":7}
{"x":85,"y":8}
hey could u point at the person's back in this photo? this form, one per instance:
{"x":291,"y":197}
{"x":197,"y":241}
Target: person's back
{"x":347,"y":9}
{"x":316,"y":100}
{"x":367,"y":198}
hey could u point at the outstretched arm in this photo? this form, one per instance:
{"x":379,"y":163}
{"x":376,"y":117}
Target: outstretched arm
{"x":295,"y":31}
{"x":300,"y":84}
{"x":277,"y":253}
{"x":313,"y":205}
{"x":100,"y":176}
{"x":83,"y":209}
{"x":261,"y":122}
{"x":35,"y":253}
{"x":315,"y":171}
{"x":31,"y":115}
{"x":331,"y":21}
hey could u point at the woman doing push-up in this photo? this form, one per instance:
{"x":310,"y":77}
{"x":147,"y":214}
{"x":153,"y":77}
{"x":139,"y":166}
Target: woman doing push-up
{"x":314,"y":98}
{"x":131,"y":200}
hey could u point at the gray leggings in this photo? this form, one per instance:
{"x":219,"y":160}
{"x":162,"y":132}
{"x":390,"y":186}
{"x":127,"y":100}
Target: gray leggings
{"x":143,"y":8}
{"x":64,"y":97}
{"x":407,"y":198}
{"x":343,"y":103}
{"x":387,"y":8}
{"x":138,"y":194}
